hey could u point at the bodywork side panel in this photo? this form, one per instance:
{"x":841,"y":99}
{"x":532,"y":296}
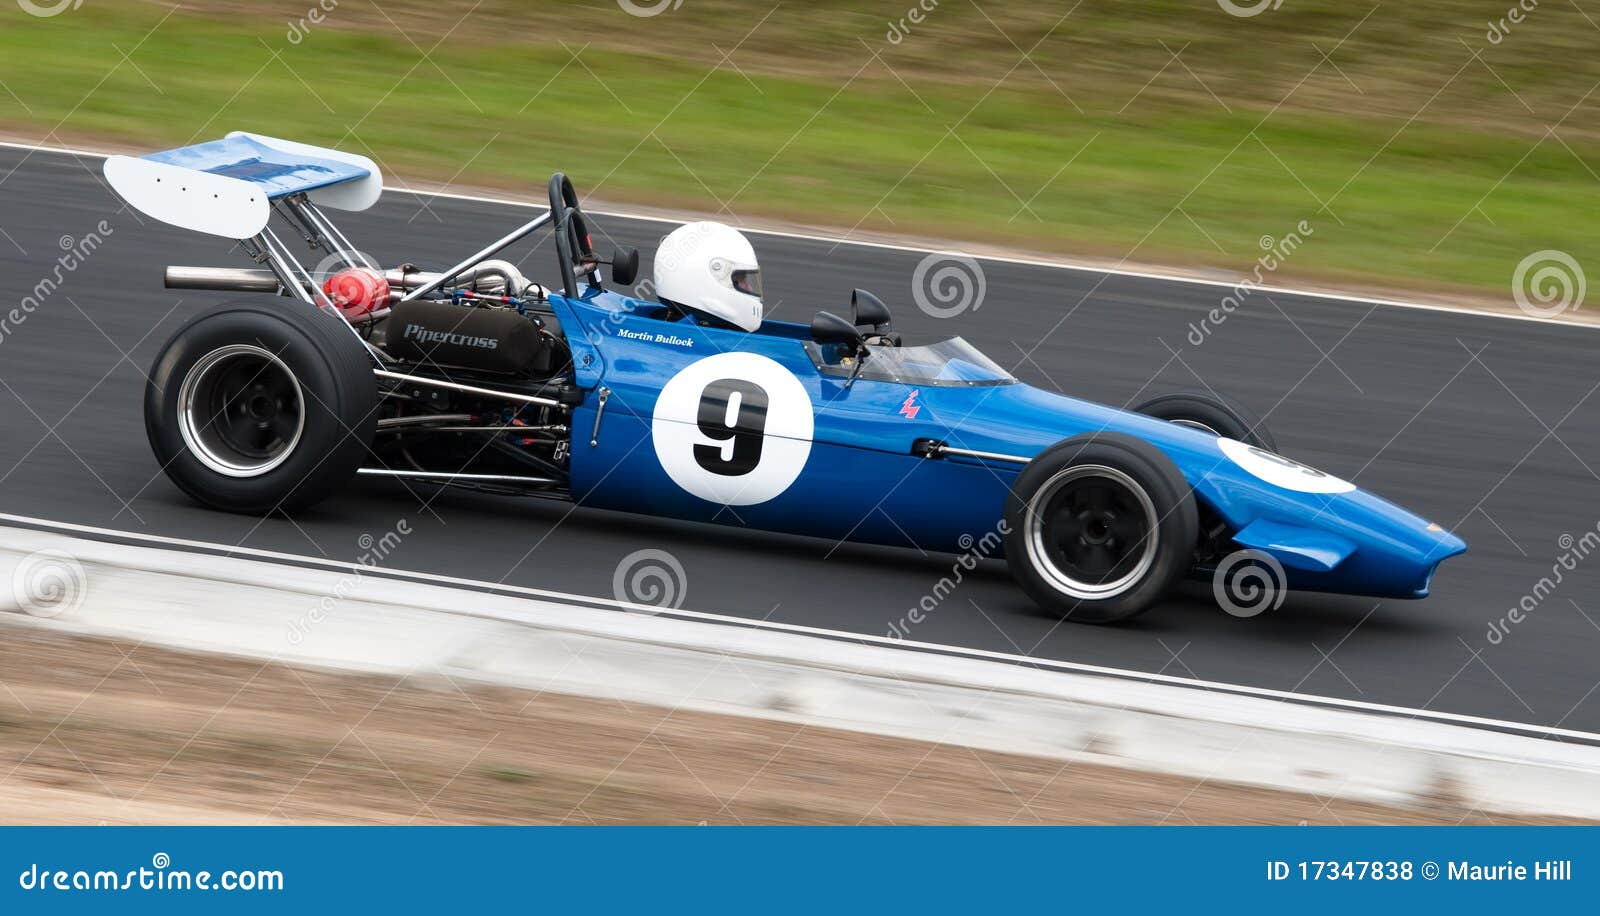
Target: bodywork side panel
{"x":859,"y":481}
{"x":857,"y":478}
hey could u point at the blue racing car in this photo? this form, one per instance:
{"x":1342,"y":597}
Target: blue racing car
{"x":691,"y":404}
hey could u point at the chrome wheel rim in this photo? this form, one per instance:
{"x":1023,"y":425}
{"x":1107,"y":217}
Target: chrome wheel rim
{"x":240,"y":411}
{"x":1092,"y":532}
{"x":1196,"y":424}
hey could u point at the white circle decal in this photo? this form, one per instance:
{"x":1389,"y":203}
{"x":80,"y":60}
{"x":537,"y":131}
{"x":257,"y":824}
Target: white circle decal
{"x":734,"y":428}
{"x":1282,"y":472}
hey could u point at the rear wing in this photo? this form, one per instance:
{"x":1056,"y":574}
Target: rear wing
{"x":233,"y":188}
{"x":226,"y":187}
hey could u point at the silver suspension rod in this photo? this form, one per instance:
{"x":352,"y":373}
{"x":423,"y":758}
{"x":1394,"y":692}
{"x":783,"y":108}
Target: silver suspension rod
{"x":451,"y":475}
{"x":292,"y":272}
{"x":943,"y":450}
{"x":466,"y":389}
{"x":391,"y":422}
{"x":334,"y":232}
{"x":322,"y":232}
{"x":286,"y":268}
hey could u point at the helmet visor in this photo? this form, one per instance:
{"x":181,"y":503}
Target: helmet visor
{"x":747,"y":282}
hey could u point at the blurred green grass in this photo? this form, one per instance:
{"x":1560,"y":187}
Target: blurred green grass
{"x":1161,"y":132}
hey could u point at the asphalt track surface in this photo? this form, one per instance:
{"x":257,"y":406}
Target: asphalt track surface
{"x":1488,"y":426}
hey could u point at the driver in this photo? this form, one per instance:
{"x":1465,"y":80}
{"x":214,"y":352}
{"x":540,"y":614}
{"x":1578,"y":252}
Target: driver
{"x":709,"y":269}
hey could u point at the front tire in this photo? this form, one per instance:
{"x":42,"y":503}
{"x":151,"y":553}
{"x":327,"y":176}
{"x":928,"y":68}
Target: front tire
{"x":1099,"y":527}
{"x":1212,"y":413}
{"x":261,"y":407}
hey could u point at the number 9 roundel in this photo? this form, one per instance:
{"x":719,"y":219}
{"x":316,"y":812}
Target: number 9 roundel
{"x":734,"y":428}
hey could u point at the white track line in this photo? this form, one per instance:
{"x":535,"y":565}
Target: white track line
{"x":171,"y":543}
{"x":998,"y":259}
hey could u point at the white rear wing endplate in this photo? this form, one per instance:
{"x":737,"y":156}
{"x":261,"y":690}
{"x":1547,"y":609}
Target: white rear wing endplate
{"x":198,"y":201}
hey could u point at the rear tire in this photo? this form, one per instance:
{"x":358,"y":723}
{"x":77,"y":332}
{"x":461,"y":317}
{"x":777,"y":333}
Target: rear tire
{"x":1099,"y":527}
{"x":260,"y":407}
{"x":1212,"y":413}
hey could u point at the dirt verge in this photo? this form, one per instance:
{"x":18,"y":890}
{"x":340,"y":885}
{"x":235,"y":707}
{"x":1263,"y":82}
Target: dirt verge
{"x":100,"y":732}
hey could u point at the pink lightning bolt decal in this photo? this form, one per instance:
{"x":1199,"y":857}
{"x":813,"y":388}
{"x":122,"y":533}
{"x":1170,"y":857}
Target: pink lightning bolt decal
{"x":909,"y":408}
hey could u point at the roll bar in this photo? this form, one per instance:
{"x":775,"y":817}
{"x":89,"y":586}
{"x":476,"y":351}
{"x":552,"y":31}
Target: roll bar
{"x":573,"y":245}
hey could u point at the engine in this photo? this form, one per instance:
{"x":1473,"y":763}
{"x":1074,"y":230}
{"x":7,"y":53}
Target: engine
{"x":502,"y":341}
{"x":474,"y":375}
{"x":488,"y":323}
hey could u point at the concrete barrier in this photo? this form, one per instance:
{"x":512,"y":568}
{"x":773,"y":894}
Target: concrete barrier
{"x":358,"y":620}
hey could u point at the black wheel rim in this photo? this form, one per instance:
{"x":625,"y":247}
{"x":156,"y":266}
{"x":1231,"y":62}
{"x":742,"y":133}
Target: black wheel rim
{"x":240,"y":411}
{"x":1092,"y":531}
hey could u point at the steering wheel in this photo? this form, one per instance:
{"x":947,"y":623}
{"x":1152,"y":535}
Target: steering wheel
{"x":572,"y":232}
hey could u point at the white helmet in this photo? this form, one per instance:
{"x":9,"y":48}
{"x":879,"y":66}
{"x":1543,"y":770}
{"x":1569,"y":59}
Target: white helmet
{"x":711,"y":268}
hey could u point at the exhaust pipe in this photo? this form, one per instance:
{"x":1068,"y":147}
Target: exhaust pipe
{"x":233,"y":279}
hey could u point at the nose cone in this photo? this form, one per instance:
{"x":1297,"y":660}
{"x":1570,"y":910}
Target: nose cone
{"x":1388,"y":551}
{"x":1446,"y":544}
{"x":1402,"y":551}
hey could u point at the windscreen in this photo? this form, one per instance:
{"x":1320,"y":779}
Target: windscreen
{"x":951,"y":362}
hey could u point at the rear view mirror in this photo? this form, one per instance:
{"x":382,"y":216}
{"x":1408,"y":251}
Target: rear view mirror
{"x":868,"y":310}
{"x":828,"y":328}
{"x":625,"y":266}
